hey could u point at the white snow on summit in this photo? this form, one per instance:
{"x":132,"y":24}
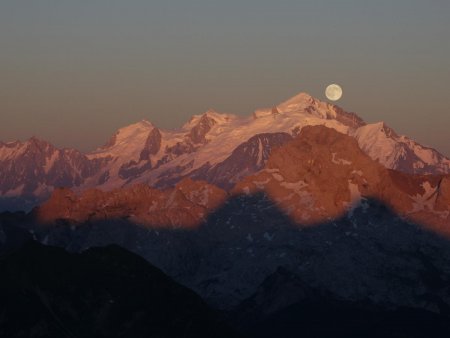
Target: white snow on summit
{"x":381,"y":143}
{"x":126,"y":143}
{"x":225,"y":132}
{"x":143,"y":153}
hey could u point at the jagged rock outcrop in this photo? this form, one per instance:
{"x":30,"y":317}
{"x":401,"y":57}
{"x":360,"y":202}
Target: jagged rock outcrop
{"x":152,"y":145}
{"x":199,"y":131}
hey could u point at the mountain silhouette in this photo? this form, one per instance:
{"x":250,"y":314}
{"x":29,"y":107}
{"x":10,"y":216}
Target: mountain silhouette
{"x":372,"y":274}
{"x":101,"y":292}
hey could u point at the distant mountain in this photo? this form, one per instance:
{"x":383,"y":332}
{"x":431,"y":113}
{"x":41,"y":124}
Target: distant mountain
{"x":318,"y":176}
{"x":320,"y":207}
{"x":218,"y":148}
{"x":102,"y":292}
{"x":29,"y":171}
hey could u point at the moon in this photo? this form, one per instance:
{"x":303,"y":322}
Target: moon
{"x":333,"y":92}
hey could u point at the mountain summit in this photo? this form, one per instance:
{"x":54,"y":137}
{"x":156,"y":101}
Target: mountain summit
{"x":218,"y":148}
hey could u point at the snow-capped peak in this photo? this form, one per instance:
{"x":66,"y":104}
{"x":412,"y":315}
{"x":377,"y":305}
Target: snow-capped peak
{"x":381,"y":142}
{"x":138,"y":126}
{"x":215,"y":117}
{"x":305,"y":103}
{"x":142,"y":125}
{"x":204,"y":148}
{"x":9,"y":143}
{"x":297,"y":102}
{"x":377,"y":127}
{"x":37,"y":141}
{"x":128,"y":134}
{"x":300,"y":98}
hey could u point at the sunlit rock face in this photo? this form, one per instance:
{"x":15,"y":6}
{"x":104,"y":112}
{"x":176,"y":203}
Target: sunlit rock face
{"x":186,"y":205}
{"x":323,"y":175}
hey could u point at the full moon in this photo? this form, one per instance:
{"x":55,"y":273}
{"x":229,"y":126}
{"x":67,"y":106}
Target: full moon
{"x":333,"y":92}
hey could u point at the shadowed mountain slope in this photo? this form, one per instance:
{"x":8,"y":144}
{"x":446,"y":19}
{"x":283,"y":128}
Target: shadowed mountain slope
{"x":283,"y":306}
{"x":372,"y":270}
{"x":102,"y":292}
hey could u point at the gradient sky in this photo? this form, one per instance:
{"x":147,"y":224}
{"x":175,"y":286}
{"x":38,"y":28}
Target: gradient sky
{"x":72,"y":72}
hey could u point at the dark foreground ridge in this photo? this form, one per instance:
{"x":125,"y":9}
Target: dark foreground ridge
{"x":368,"y":274}
{"x":284,"y":306}
{"x":102,"y":292}
{"x":110,"y":292}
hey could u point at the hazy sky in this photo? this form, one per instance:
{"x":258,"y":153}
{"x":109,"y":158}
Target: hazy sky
{"x":74,"y":71}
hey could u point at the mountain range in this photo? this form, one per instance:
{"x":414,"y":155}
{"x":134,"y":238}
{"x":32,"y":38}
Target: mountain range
{"x":221,"y":149}
{"x":300,"y":217}
{"x":318,"y":176}
{"x":317,"y":199}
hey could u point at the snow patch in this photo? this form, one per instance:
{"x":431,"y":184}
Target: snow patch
{"x":15,"y":192}
{"x":261,"y":184}
{"x":260,"y":152}
{"x":425,"y":201}
{"x":49,"y":162}
{"x":339,"y":160}
{"x":278,"y":177}
{"x":296,"y":187}
{"x":355,"y":198}
{"x":268,"y":237}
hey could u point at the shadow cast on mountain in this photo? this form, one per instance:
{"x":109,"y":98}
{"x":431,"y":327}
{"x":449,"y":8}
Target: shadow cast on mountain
{"x":371,"y":257}
{"x":253,"y":230}
{"x":283,"y":306}
{"x":25,"y":204}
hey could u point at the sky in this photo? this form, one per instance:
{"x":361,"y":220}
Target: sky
{"x":72,"y":72}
